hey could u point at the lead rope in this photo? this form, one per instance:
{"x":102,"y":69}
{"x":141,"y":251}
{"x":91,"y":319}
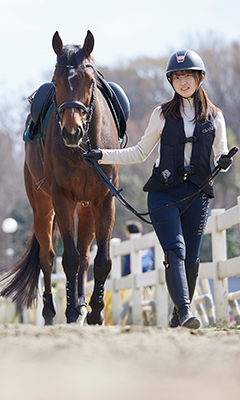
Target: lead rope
{"x":124,"y":202}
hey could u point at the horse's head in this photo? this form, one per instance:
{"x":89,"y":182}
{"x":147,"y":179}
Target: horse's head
{"x":74,"y":87}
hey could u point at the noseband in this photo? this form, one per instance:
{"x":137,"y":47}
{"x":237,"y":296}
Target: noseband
{"x":77,"y":105}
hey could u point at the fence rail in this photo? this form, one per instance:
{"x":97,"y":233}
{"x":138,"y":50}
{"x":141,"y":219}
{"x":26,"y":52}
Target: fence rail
{"x":146,"y":293}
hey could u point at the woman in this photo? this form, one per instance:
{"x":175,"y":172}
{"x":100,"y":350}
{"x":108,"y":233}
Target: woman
{"x":186,"y":129}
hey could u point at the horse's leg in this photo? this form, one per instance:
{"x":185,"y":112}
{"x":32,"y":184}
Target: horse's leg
{"x":104,"y":219}
{"x":85,"y":238}
{"x":43,"y":215}
{"x":65,"y":208}
{"x":43,"y":226}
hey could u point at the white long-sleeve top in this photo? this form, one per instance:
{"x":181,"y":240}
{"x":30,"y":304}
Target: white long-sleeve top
{"x":152,"y":137}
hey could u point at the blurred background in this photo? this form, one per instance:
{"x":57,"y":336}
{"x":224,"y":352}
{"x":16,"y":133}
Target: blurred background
{"x":133,"y":41}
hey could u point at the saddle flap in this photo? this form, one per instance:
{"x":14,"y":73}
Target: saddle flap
{"x":118,"y":100}
{"x":41,"y":101}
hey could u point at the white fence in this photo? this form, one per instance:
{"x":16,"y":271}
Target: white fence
{"x":144,"y":297}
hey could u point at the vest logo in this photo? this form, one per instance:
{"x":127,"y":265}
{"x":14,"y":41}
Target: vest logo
{"x":209,"y":129}
{"x":166,"y":173}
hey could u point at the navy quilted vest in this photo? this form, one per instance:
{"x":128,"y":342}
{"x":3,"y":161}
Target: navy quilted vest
{"x":171,"y":170}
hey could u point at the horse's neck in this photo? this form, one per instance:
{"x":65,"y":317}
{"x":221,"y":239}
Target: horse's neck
{"x":96,"y":124}
{"x":102,"y":130}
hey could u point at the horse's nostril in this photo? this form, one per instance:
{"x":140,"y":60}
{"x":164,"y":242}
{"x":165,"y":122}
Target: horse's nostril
{"x":72,"y":138}
{"x":65,"y":133}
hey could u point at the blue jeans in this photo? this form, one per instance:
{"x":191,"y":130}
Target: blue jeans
{"x":184,"y":235}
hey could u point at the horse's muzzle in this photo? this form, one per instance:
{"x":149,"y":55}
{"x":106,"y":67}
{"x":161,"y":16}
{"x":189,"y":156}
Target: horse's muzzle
{"x":72,"y":139}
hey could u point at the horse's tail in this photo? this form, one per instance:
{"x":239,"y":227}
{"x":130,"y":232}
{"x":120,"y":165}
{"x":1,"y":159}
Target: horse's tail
{"x":21,"y":280}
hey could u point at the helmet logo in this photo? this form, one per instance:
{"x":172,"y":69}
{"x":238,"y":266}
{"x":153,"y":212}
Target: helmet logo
{"x":181,"y":58}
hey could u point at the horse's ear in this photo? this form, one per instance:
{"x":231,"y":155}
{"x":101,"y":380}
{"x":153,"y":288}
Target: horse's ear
{"x":57,"y":43}
{"x":88,"y":44}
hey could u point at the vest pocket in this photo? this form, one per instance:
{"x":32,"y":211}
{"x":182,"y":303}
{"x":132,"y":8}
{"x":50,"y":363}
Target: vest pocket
{"x":165,"y":171}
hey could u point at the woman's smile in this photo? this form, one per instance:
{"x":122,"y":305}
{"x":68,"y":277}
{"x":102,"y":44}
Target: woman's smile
{"x":184,"y":83}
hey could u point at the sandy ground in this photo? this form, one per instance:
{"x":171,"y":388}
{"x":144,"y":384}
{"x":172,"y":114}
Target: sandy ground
{"x":74,"y":362}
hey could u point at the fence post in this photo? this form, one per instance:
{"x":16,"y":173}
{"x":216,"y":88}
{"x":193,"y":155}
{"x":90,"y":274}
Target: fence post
{"x":161,"y":289}
{"x":115,"y":274}
{"x":219,"y":253}
{"x":238,"y":201}
{"x":136,"y":269}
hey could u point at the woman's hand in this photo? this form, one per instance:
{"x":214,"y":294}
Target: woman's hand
{"x":224,"y":161}
{"x":90,"y":155}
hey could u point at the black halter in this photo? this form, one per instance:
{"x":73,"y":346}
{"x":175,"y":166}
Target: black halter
{"x":59,"y":110}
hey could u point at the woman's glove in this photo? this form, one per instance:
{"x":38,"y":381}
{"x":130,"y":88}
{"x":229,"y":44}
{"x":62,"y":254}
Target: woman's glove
{"x":224,"y":161}
{"x":90,"y":155}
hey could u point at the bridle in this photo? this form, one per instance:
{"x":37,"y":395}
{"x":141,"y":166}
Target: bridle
{"x":88,"y":110}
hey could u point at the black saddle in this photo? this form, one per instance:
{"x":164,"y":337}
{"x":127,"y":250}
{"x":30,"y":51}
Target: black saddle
{"x":118,"y":103}
{"x":42,"y":99}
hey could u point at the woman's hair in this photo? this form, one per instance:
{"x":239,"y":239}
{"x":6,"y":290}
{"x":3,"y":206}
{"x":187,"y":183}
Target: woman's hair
{"x":203,"y":106}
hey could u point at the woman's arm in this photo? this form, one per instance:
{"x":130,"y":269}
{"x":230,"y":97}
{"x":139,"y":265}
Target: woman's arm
{"x":220,"y":145}
{"x":142,"y":149}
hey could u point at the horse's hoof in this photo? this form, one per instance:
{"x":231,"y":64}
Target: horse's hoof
{"x":72,"y":315}
{"x":94,"y":318}
{"x":49,"y":309}
{"x":48,"y":321}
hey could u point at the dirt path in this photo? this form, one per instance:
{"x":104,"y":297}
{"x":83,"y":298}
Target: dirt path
{"x":112,"y":363}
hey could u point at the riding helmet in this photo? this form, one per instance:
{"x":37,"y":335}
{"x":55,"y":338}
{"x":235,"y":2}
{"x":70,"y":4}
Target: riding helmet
{"x":185,"y":60}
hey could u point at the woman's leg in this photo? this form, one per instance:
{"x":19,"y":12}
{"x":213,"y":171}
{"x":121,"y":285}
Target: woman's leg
{"x":193,"y":230}
{"x":171,"y":238}
{"x":170,"y":234}
{"x":193,"y":222}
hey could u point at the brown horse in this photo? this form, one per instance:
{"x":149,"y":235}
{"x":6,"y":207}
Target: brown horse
{"x":82,"y":118}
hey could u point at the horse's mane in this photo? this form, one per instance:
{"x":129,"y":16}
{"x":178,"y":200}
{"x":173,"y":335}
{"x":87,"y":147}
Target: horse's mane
{"x":71,"y":55}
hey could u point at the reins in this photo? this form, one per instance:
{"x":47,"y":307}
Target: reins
{"x":124,"y":202}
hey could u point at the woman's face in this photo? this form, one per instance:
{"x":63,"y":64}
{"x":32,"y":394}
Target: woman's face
{"x":184,"y":83}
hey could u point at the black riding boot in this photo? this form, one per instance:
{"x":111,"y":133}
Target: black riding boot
{"x":192,"y":274}
{"x":178,"y":289}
